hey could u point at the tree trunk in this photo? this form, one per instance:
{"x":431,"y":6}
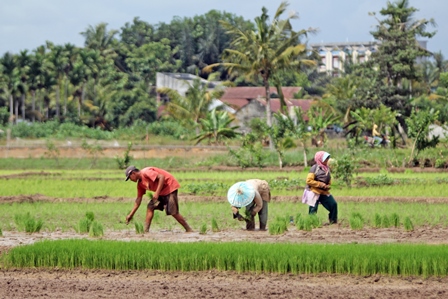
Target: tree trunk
{"x":57,"y":102}
{"x":268,"y":112}
{"x":280,"y":160}
{"x":33,"y":105}
{"x":11,"y":109}
{"x":65,"y":96}
{"x":305,"y":158}
{"x":23,"y":106}
{"x":16,"y":109}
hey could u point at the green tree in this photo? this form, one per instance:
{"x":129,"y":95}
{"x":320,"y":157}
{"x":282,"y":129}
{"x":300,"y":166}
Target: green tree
{"x":397,"y":53}
{"x":418,"y":130}
{"x":192,"y":107}
{"x":216,"y":127}
{"x":264,"y":52}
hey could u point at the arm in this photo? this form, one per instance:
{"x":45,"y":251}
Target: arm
{"x":311,"y":181}
{"x":236,"y":214}
{"x":258,"y":203}
{"x":161,"y":179}
{"x":137,"y":203}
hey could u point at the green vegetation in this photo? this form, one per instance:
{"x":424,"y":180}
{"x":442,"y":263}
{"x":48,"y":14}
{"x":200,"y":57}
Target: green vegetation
{"x":139,"y":228}
{"x":27,"y":223}
{"x":364,"y":259}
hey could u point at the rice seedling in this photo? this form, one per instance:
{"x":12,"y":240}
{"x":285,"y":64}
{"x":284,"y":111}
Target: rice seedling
{"x":90,"y":216}
{"x":408,"y":224}
{"x":304,"y":223}
{"x":1,"y":232}
{"x":377,"y":220}
{"x":315,"y":221}
{"x":83,"y":226}
{"x":203,"y":229}
{"x":279,"y":225}
{"x":215,"y":227}
{"x":27,"y":223}
{"x":395,"y":219}
{"x":96,"y":229}
{"x":385,"y":221}
{"x":139,"y":228}
{"x":364,"y":259}
{"x":356,"y":221}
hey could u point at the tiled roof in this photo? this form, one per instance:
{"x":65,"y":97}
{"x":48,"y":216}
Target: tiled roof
{"x":275,"y":104}
{"x":255,"y":92}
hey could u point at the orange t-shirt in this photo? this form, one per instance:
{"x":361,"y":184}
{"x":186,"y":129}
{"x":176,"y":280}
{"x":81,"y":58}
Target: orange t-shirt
{"x":149,"y":181}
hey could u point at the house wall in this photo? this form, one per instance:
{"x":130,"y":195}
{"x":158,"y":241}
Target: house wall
{"x":243,"y":116}
{"x":177,"y":84}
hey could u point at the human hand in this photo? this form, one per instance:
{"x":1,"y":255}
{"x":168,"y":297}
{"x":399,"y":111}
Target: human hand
{"x":253,"y":213}
{"x":128,"y":219}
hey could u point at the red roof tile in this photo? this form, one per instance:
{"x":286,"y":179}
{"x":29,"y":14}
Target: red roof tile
{"x":256,"y":92}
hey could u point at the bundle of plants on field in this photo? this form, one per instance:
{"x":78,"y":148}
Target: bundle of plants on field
{"x":90,"y":226}
{"x":27,"y":223}
{"x":353,"y":259}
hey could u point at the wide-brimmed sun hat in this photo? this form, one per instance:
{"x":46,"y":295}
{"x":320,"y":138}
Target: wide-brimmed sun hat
{"x":241,"y":194}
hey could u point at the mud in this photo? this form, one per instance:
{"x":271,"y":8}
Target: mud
{"x":55,"y":283}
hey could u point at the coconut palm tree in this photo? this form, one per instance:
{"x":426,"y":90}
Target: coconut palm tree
{"x":194,"y":105}
{"x":11,"y":83}
{"x":264,"y":52}
{"x":215,"y":127}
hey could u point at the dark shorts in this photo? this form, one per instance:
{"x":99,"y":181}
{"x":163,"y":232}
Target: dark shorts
{"x":169,"y":203}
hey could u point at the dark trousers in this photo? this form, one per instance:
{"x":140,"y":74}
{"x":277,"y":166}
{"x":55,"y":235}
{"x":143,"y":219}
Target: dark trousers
{"x":262,"y":216}
{"x":330,"y":204}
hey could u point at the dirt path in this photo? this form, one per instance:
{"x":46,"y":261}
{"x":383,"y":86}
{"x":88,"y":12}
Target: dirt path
{"x":211,"y":284}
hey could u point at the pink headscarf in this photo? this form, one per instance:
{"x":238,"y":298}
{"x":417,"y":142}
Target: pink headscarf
{"x":320,"y":157}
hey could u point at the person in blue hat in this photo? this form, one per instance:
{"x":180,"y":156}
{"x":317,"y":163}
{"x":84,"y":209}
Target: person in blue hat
{"x":255,"y":200}
{"x":319,"y":182}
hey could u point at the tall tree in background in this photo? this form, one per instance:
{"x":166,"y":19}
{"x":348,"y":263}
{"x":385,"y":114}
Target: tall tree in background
{"x":398,"y":52}
{"x":264,"y":52}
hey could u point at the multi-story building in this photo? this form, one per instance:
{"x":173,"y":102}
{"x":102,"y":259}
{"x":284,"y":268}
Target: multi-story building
{"x":333,"y":55}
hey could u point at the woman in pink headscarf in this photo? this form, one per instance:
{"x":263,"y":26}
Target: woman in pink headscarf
{"x":319,"y":182}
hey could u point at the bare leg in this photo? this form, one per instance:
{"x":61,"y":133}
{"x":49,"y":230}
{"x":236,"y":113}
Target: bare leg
{"x":149,"y":215}
{"x":182,"y":221}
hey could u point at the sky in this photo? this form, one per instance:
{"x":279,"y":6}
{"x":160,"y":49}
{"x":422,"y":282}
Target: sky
{"x":27,"y":24}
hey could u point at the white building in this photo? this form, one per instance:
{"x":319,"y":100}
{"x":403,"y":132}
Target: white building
{"x":333,"y":55}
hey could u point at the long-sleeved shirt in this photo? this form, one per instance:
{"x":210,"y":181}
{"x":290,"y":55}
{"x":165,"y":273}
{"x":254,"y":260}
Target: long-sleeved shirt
{"x":317,"y":178}
{"x":262,"y":193}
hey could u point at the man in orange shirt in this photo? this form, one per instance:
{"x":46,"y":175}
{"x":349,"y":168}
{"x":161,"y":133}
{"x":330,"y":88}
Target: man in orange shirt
{"x":164,"y":186}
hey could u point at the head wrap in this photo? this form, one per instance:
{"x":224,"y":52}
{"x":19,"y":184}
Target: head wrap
{"x":320,"y":157}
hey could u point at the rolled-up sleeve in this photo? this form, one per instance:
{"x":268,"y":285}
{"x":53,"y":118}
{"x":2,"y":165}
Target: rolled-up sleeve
{"x":258,"y":202}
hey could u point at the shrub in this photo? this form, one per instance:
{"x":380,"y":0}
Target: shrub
{"x":440,"y":163}
{"x":126,"y":160}
{"x":344,"y":168}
